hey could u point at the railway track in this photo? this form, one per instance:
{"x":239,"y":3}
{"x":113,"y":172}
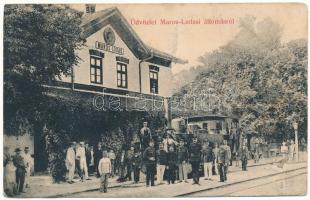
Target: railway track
{"x":247,"y":184}
{"x":225,"y":189}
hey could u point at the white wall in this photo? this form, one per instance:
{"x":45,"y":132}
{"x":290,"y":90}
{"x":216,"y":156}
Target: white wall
{"x":82,"y":71}
{"x":21,"y":142}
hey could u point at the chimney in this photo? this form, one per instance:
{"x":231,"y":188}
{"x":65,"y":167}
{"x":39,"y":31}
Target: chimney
{"x":90,"y":8}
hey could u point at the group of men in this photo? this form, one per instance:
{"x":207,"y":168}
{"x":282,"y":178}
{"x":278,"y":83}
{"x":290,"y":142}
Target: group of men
{"x":79,"y":159}
{"x":17,"y":170}
{"x":173,"y":158}
{"x":173,"y":164}
{"x":83,"y":159}
{"x":169,"y":159}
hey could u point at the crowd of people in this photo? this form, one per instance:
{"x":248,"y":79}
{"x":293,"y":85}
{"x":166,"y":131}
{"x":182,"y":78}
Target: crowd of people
{"x":168,"y":159}
{"x":17,"y":170}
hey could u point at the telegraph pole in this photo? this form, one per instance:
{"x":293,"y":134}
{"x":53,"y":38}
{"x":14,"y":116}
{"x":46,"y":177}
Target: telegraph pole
{"x":295,"y":126}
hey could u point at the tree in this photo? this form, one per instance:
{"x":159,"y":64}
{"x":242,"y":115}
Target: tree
{"x":40,"y":43}
{"x":257,"y":78}
{"x":39,"y":46}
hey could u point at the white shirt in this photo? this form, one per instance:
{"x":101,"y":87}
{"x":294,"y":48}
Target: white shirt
{"x":27,"y":159}
{"x":91,"y":158}
{"x":104,"y":166}
{"x":70,"y":158}
{"x":167,"y":142}
{"x":284,"y":149}
{"x":80,"y":152}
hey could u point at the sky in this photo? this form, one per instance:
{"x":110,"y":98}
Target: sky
{"x":189,"y":41}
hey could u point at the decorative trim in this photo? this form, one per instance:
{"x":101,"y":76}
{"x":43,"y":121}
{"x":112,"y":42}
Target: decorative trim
{"x":154,"y":68}
{"x":101,"y":89}
{"x":94,"y":52}
{"x":122,"y":59}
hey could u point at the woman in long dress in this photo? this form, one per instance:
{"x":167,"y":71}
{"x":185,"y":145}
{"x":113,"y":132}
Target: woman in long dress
{"x":10,"y":178}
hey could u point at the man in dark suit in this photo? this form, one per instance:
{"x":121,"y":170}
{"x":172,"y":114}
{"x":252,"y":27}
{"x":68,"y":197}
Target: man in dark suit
{"x":145,"y":136}
{"x":149,"y":160}
{"x":195,"y":159}
{"x":19,"y":163}
{"x":97,"y":157}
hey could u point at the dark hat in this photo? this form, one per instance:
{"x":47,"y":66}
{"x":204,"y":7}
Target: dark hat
{"x":17,"y":150}
{"x":26,"y":148}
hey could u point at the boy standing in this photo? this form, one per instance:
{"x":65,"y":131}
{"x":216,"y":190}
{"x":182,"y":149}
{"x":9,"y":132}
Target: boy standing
{"x":104,"y":169}
{"x":182,"y":161}
{"x":208,"y":157}
{"x":161,"y":163}
{"x":150,"y":162}
{"x":171,"y":165}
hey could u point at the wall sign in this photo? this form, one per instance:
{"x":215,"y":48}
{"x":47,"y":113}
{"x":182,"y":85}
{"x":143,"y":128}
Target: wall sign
{"x":109,"y":48}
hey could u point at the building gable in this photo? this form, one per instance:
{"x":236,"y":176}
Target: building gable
{"x":93,"y":23}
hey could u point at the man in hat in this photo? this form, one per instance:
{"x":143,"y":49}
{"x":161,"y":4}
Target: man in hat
{"x":19,"y":163}
{"x":70,"y":162}
{"x":145,"y":135}
{"x":28,"y":161}
{"x":80,"y":154}
{"x":195,"y":159}
{"x":223,"y":160}
{"x":150,"y":162}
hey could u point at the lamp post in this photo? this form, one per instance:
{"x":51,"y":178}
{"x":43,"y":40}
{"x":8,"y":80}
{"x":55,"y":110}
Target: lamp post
{"x":295,"y":126}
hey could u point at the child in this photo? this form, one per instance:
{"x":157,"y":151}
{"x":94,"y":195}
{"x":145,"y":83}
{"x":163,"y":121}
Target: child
{"x":10,"y":178}
{"x":171,"y":165}
{"x":104,"y":169}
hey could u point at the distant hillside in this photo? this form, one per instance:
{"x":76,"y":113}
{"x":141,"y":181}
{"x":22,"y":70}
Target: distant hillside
{"x":184,"y":77}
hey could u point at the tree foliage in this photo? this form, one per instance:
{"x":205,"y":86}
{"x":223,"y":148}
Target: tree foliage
{"x":40,"y":43}
{"x":257,"y":78}
{"x":39,"y":46}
